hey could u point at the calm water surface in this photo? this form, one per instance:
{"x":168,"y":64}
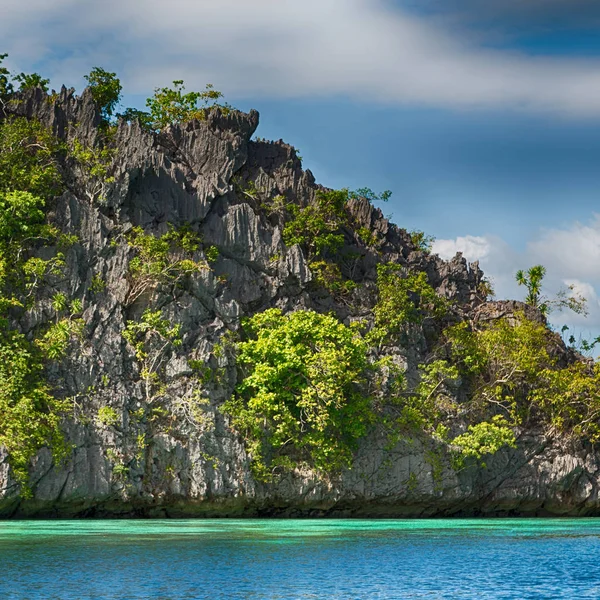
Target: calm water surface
{"x":276,"y":559}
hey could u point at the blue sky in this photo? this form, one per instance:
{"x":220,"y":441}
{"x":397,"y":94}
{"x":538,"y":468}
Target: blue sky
{"x":483,"y":118}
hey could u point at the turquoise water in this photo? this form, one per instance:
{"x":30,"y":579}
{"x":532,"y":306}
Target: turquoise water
{"x":276,"y":559}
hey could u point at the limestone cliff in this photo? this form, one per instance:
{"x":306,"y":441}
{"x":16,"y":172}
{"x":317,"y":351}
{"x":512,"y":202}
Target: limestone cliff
{"x":189,"y":465}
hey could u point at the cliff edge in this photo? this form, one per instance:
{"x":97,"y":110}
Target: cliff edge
{"x":172,"y":451}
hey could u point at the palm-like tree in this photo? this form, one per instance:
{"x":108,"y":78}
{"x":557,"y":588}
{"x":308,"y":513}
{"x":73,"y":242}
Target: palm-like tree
{"x":532,"y":280}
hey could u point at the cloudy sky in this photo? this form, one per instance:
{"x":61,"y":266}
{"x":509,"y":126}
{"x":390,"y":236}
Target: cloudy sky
{"x":483,"y":117}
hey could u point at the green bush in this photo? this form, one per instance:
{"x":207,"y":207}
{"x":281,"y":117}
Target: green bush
{"x":21,"y":215}
{"x":28,"y":160}
{"x":108,"y":416}
{"x":302,"y":396}
{"x":565,"y":299}
{"x":485,"y":438}
{"x":29,"y":81}
{"x":421,"y":240}
{"x":404,"y":298}
{"x":106,"y":91}
{"x":25,"y":80}
{"x":151,"y":337}
{"x":171,"y":106}
{"x":507,"y":368}
{"x":96,"y":164}
{"x":370,"y":195}
{"x":159,"y":259}
{"x":6,"y":86}
{"x":30,"y":415}
{"x":316,"y":227}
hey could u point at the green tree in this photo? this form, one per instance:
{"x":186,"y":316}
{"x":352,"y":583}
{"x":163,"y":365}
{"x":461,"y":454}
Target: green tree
{"x":316,"y":227}
{"x":106,"y":90}
{"x":370,"y":195}
{"x":173,"y":105}
{"x":303,"y":394}
{"x":485,"y":438}
{"x":6,"y":86}
{"x":21,"y":215}
{"x":404,"y":298}
{"x":532,"y":280}
{"x":421,"y":240}
{"x":30,"y":415}
{"x":96,"y":163}
{"x":159,"y":259}
{"x":565,"y":299}
{"x":150,"y":338}
{"x":508,"y":368}
{"x":29,"y":81}
{"x":28,"y":158}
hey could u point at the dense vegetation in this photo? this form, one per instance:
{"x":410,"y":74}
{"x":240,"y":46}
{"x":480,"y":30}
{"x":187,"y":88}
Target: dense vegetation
{"x":309,"y":385}
{"x":304,"y":396}
{"x":31,"y":260}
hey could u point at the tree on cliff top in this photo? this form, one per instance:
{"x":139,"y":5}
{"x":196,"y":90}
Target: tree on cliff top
{"x":25,"y":80}
{"x":106,"y":90}
{"x":532,"y":280}
{"x":171,"y":106}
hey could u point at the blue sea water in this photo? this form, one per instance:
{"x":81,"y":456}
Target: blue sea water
{"x":296,"y":559}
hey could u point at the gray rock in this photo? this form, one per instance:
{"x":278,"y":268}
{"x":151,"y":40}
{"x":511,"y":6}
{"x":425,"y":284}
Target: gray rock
{"x":177,"y":454}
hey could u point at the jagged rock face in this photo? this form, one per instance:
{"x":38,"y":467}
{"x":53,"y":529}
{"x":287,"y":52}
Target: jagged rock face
{"x":191,"y":465}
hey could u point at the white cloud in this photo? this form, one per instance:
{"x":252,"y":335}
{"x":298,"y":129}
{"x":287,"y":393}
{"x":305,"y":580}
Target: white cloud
{"x":361,"y":48}
{"x":472,"y":247}
{"x":574,"y":251}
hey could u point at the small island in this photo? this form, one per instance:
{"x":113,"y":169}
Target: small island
{"x":192,"y":326}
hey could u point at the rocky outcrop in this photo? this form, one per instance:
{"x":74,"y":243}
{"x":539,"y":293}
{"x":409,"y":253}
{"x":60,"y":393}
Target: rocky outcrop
{"x":186,"y":459}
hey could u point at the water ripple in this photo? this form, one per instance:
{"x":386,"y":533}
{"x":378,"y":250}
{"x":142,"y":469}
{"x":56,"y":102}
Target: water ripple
{"x":513,"y":559}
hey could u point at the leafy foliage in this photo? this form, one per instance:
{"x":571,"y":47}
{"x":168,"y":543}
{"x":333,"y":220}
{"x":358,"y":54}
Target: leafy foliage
{"x":485,"y":438}
{"x":28,"y":160}
{"x":485,"y":289}
{"x":55,"y":342}
{"x":29,"y":414}
{"x":421,"y":240}
{"x":96,"y":163}
{"x":171,"y":106}
{"x":98,"y":284}
{"x":302,"y":396}
{"x":150,"y":338}
{"x":502,"y":361}
{"x":108,"y":416}
{"x":403,"y":298}
{"x":370,"y":195}
{"x":316,"y":227}
{"x":6,"y":87}
{"x":319,"y":229}
{"x":162,"y":260}
{"x":532,"y":280}
{"x":328,"y":275}
{"x":22,"y":227}
{"x":509,"y":370}
{"x":21,"y":216}
{"x":565,"y":299}
{"x":570,"y":398}
{"x":106,"y":91}
{"x":211,"y":253}
{"x":25,"y":80}
{"x":29,"y":81}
